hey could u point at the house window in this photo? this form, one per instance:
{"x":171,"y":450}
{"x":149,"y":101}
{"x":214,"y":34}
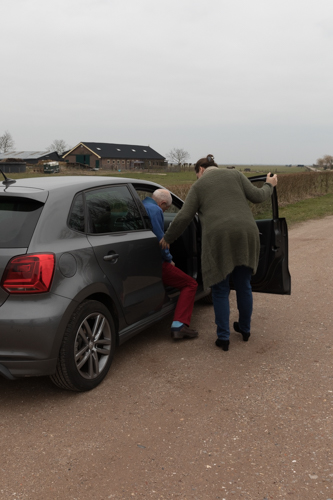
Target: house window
{"x":108,"y":161}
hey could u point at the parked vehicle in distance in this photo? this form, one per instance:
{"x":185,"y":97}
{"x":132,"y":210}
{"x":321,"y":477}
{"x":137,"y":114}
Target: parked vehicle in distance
{"x":52,"y":167}
{"x":81,"y":272}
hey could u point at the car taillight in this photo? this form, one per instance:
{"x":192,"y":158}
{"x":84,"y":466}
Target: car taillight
{"x":29,"y":273}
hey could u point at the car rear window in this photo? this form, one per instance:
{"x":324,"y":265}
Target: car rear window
{"x":18,"y":219}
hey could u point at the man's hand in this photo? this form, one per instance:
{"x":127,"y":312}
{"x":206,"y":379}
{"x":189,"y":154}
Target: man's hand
{"x":271,"y":180}
{"x":164,"y":244}
{"x":172,"y":263}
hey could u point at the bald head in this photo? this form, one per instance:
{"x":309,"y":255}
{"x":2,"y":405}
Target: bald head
{"x":163,"y":198}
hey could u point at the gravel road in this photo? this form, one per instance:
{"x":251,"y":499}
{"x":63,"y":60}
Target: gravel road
{"x":185,"y":420}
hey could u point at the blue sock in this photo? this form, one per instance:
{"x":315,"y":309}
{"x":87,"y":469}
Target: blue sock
{"x":176,"y":325}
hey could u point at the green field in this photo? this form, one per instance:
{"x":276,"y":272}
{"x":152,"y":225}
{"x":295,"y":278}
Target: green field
{"x":166,"y":177}
{"x":309,"y":196}
{"x":264,"y":169}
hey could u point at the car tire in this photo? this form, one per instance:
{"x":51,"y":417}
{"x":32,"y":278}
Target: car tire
{"x":87,"y":348}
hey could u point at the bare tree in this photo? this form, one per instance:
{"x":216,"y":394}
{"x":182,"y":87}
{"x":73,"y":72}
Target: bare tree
{"x":325,"y":162}
{"x":6,"y":142}
{"x":178,"y":156}
{"x":58,"y":145}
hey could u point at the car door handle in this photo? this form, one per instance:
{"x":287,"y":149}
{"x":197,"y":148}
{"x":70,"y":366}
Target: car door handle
{"x":113,"y":257}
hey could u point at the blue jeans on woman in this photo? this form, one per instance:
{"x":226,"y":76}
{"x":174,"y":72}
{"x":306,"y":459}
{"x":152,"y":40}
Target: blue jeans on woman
{"x":241,"y":277}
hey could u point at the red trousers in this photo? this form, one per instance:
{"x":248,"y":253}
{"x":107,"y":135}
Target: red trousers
{"x":172,"y":276}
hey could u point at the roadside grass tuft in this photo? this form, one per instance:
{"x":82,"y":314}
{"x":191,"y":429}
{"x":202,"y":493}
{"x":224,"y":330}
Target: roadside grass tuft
{"x":311,"y":208}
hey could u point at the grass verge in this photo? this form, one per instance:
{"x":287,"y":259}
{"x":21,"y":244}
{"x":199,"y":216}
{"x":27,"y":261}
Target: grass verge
{"x":311,"y":208}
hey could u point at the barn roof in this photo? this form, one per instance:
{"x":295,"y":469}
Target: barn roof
{"x":130,"y":151}
{"x":26,"y":155}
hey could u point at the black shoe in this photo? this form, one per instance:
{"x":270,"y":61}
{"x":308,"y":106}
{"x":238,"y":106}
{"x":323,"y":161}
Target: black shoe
{"x":245,"y":336}
{"x":224,"y":344}
{"x":184,"y":333}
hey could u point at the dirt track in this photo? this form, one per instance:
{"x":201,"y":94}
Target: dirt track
{"x":187,"y":420}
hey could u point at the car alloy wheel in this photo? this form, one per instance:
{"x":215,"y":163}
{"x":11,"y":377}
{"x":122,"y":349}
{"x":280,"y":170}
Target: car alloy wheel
{"x":87,"y":348}
{"x":92,"y":346}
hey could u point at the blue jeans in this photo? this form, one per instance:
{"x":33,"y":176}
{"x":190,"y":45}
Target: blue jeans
{"x":241,"y":277}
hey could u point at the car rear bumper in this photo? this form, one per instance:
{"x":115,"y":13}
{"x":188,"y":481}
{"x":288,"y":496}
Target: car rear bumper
{"x":12,"y":370}
{"x":31,"y":330}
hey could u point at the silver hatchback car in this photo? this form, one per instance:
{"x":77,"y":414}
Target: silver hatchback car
{"x":81,"y":272}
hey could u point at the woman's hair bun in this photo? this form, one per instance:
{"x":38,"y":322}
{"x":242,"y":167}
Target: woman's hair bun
{"x":208,"y":161}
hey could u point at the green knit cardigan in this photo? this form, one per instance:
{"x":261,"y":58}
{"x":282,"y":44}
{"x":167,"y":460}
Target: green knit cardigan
{"x":230,"y":236}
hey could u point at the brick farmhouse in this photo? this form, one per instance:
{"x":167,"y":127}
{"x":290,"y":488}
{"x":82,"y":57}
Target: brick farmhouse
{"x":114,"y":156}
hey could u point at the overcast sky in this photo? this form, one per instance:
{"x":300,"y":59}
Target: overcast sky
{"x":248,"y":81}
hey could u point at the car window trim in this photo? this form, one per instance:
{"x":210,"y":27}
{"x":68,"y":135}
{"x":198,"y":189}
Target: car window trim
{"x":274,"y":200}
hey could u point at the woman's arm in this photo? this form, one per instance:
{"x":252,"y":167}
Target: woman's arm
{"x":183,"y":218}
{"x":255,"y":194}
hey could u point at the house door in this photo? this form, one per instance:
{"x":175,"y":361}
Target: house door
{"x":84,"y":159}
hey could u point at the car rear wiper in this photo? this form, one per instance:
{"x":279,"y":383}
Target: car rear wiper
{"x":7,"y":182}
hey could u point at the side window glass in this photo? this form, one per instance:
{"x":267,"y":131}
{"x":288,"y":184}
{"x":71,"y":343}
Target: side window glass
{"x":112,"y":210}
{"x":261,"y":210}
{"x":76,"y":216}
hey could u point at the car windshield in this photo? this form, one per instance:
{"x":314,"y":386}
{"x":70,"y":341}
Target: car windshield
{"x":18,"y":219}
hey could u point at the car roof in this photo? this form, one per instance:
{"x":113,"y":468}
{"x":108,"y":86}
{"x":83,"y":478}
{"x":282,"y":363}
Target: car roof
{"x":78,"y":183}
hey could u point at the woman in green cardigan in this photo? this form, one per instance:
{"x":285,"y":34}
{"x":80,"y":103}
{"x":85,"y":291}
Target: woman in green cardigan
{"x":230,"y":238}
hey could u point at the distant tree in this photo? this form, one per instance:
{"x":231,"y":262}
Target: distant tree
{"x":6,"y":142}
{"x":58,"y":145}
{"x":178,"y":156}
{"x":325,"y":162}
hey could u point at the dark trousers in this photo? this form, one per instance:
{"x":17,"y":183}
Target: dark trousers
{"x":172,"y":276}
{"x":241,"y":276}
